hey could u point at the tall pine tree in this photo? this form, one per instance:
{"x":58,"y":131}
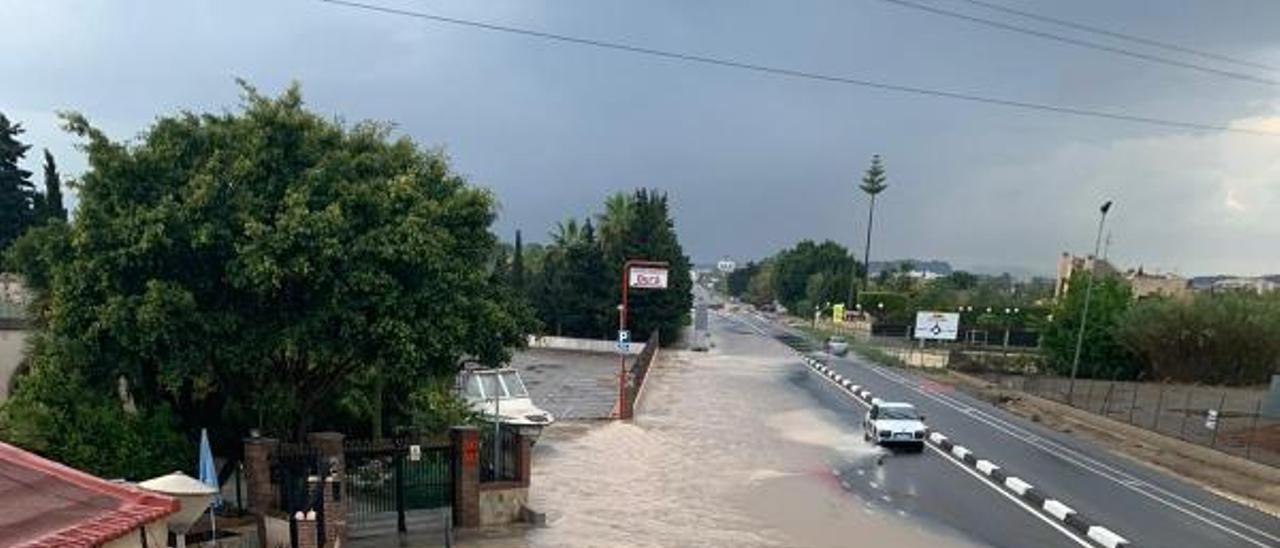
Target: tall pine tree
{"x":52,"y":202}
{"x":17,"y":195}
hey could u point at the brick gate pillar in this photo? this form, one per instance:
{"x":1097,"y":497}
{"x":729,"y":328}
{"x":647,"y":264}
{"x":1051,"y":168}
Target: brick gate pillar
{"x":335,"y":512}
{"x":466,"y":476}
{"x":257,"y":472}
{"x":330,"y":449}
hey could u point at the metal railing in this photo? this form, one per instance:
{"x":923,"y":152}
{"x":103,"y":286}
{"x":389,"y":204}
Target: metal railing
{"x":507,"y":465}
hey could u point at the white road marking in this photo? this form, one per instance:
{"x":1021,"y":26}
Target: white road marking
{"x":1102,"y":469}
{"x":1069,"y":533}
{"x":1086,"y":462}
{"x":1038,"y":515}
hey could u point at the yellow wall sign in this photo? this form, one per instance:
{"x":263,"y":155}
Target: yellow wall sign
{"x":837,"y":313}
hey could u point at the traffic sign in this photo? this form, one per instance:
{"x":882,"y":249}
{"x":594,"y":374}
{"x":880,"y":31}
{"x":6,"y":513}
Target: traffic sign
{"x":624,"y":341}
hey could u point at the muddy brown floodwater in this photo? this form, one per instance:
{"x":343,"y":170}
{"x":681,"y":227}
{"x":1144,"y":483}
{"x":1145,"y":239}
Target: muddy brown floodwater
{"x":724,"y":452}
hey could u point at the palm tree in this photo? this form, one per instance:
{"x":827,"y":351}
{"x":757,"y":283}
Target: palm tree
{"x":566,"y":233}
{"x":872,"y":184}
{"x":613,"y":223}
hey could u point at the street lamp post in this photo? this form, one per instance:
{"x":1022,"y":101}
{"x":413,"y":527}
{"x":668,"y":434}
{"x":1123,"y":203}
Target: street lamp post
{"x":1009,"y":313}
{"x":1088,"y":295}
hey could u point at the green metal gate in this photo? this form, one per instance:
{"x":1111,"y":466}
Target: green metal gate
{"x":386,"y":481}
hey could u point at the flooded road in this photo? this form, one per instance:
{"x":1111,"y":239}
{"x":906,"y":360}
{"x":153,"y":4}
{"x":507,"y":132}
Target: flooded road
{"x":729,"y":448}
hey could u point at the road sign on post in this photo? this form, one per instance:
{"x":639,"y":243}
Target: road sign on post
{"x":647,"y":277}
{"x":640,"y":275}
{"x":937,"y":325}
{"x":624,"y":341}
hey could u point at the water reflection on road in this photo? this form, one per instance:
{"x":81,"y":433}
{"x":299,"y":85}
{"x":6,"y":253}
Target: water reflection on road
{"x":724,"y":452}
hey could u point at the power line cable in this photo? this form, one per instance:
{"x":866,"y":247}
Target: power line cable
{"x":1122,"y":36}
{"x":1084,"y":43}
{"x":793,"y":73}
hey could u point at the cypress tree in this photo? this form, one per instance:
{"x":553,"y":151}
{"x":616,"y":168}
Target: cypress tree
{"x":17,"y":195}
{"x":517,"y":266}
{"x":53,"y":208}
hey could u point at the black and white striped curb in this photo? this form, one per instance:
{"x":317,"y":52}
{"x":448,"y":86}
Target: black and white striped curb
{"x":1025,"y":491}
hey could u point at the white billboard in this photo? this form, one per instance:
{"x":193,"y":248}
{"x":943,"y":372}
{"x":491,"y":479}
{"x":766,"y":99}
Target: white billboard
{"x":644,"y":277}
{"x":937,"y":325}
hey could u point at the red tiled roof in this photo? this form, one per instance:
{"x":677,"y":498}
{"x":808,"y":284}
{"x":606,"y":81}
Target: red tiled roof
{"x":51,"y":505}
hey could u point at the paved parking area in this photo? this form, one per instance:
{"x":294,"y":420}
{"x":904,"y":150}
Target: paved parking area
{"x":571,"y":385}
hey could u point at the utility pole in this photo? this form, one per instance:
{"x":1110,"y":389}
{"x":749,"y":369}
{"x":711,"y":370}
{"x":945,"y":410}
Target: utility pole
{"x":1088,"y":294}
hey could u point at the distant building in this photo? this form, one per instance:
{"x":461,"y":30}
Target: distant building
{"x":1146,"y":284}
{"x":1252,"y":285}
{"x":14,"y":328}
{"x":924,"y":275}
{"x":1068,"y":264}
{"x":14,"y":296}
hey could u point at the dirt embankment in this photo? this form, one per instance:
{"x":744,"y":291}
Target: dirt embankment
{"x":1247,"y":482}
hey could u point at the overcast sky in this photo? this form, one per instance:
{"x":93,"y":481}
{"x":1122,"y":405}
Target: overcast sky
{"x":752,"y":162}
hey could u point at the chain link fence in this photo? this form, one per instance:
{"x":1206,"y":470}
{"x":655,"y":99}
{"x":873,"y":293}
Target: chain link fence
{"x":1223,"y":418}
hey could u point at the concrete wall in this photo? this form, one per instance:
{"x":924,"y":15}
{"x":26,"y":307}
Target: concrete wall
{"x":502,"y":505}
{"x":582,"y":345}
{"x":13,"y":344}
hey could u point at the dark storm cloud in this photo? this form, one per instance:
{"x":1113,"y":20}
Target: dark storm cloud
{"x":753,"y":162}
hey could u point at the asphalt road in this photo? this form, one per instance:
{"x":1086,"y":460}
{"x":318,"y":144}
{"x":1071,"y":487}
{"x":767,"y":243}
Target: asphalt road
{"x":926,"y":488}
{"x":1146,"y":507}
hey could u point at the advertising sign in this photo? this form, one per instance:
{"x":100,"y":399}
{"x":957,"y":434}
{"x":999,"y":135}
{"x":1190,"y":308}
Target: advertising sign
{"x":937,"y":325}
{"x":645,"y":277}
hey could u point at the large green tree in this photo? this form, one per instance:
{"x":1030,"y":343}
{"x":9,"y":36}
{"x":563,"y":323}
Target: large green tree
{"x":1212,"y":338}
{"x":794,"y":271}
{"x":737,"y":281}
{"x":649,"y":233}
{"x":18,"y":198}
{"x":760,"y":288}
{"x":1102,"y":355}
{"x":245,"y":268}
{"x":572,"y":291}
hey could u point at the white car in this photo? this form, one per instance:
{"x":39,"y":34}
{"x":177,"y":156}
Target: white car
{"x":894,"y":423}
{"x":837,"y":345}
{"x":500,"y":394}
